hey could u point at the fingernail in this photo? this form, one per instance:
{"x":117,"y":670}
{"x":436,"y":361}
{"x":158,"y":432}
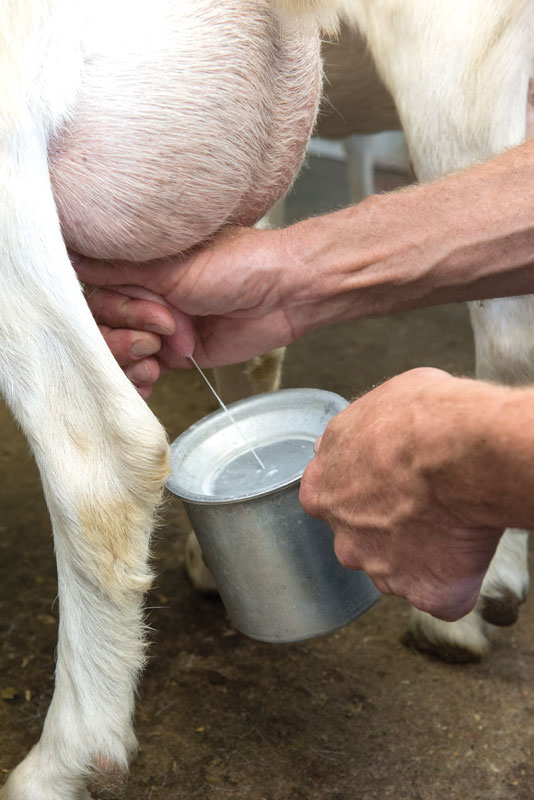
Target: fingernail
{"x":161,"y":330}
{"x":317,"y":445}
{"x":138,"y":374}
{"x":141,"y":348}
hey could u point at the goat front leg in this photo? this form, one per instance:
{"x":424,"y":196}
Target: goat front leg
{"x":103,"y":459}
{"x":504,"y":343}
{"x":456,"y":112}
{"x":260,"y":374}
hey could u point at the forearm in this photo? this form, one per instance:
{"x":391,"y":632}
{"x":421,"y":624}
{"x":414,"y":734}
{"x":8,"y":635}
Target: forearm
{"x":480,"y":457}
{"x":468,"y":236}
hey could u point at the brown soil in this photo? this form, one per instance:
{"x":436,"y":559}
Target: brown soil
{"x":352,"y":716}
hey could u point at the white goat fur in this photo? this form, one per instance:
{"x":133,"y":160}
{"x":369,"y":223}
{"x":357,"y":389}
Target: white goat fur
{"x":458,"y":72}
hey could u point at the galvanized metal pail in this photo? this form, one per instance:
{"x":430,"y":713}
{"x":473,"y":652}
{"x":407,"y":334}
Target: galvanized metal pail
{"x":273,"y":564}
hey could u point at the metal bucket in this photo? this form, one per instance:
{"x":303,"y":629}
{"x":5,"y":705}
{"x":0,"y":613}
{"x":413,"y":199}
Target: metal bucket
{"x":273,"y":564}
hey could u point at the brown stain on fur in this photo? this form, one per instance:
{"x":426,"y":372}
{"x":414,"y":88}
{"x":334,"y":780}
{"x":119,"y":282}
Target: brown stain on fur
{"x":116,"y":531}
{"x":113,"y":527}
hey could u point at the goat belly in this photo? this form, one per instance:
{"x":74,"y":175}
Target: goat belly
{"x":190,"y":114}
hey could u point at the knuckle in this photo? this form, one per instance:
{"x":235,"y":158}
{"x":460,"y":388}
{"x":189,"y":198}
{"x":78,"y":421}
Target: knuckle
{"x":424,"y":374}
{"x":346,"y":553}
{"x":308,"y":496}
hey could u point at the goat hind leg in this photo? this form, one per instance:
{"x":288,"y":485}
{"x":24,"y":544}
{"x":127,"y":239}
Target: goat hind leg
{"x":103,"y":460}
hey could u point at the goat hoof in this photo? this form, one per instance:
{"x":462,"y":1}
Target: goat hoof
{"x":502,"y":610}
{"x":444,"y":651}
{"x":197,"y":569}
{"x":108,"y":781}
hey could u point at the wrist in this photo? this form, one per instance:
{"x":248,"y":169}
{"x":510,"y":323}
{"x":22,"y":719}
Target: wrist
{"x":479,"y":455}
{"x":350,"y":263}
{"x":372,"y":259}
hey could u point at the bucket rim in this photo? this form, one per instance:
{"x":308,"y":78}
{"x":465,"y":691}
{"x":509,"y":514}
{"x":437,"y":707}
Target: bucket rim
{"x":328,"y":402}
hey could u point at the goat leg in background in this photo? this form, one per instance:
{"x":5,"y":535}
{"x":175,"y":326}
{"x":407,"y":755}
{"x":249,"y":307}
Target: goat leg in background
{"x":459,"y":74}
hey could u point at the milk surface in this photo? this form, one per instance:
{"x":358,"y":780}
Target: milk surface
{"x":284,"y":461}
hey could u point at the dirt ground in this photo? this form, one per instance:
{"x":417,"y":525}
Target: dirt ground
{"x":352,"y":716}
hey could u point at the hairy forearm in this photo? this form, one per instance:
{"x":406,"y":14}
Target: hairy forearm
{"x":480,"y":456}
{"x":469,"y":236}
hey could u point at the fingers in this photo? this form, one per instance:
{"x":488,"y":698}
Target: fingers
{"x":135,"y":351}
{"x":136,"y":308}
{"x":309,"y":490}
{"x":445,"y":599}
{"x":114,"y":308}
{"x":445,"y":603}
{"x":180,"y":337}
{"x":448,"y":605}
{"x":129,"y":346}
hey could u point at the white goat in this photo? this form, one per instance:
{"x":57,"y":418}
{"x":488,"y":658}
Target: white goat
{"x":108,"y":119}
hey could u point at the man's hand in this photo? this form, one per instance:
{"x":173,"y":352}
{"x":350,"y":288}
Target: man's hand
{"x":469,"y":236}
{"x":224,"y":303}
{"x":385,"y":478}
